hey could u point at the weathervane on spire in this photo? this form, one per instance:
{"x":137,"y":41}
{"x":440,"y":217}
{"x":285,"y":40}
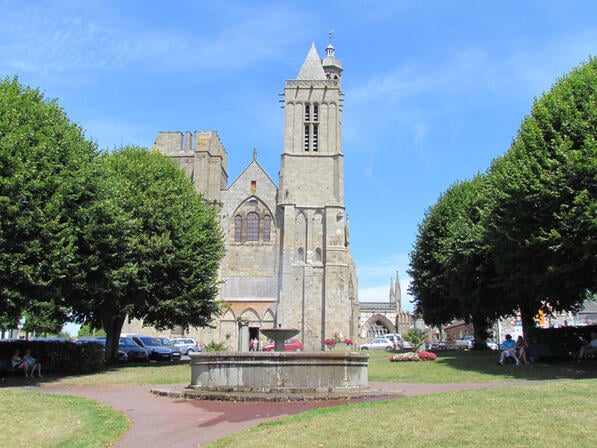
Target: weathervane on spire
{"x":331,"y":35}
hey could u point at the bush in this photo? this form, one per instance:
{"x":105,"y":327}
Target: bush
{"x":416,"y":338}
{"x":216,"y":347}
{"x":58,"y":357}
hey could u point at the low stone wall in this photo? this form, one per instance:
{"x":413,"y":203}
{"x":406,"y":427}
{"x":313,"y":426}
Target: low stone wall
{"x":279,"y":376}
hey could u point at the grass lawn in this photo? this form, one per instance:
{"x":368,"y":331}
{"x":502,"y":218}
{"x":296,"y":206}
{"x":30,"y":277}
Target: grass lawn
{"x":32,"y":419}
{"x":549,"y":414}
{"x":450,"y":367}
{"x":470,"y":367}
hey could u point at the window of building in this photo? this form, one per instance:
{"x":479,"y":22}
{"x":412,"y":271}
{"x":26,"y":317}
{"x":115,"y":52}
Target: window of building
{"x":311,"y":138}
{"x":238,"y":221}
{"x":307,"y":136}
{"x":253,"y":186}
{"x":318,"y":255}
{"x":252,"y":227}
{"x":301,"y":254}
{"x":267,"y":224}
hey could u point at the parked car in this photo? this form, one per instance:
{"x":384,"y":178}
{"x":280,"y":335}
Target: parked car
{"x":154,"y":346}
{"x":466,"y":342}
{"x":396,"y":339}
{"x":133,"y":351}
{"x":101,"y":341}
{"x":176,"y":353}
{"x":378,"y":344}
{"x":186,"y":345}
{"x":290,"y":345}
{"x":437,"y":345}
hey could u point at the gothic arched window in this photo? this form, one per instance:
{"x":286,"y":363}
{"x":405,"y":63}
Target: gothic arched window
{"x":318,"y":255}
{"x":252,"y":227}
{"x":301,"y":254}
{"x":238,"y":222}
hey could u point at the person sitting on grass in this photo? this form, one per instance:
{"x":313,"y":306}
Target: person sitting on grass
{"x":508,"y":351}
{"x":521,"y":349}
{"x":32,"y":364}
{"x":590,"y":348}
{"x":17,"y":362}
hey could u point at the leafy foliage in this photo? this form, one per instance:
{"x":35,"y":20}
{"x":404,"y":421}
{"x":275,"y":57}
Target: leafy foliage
{"x":149,"y":248}
{"x":416,"y":338}
{"x":542,"y":219}
{"x":44,"y":162}
{"x":216,"y":347}
{"x":523,"y":237}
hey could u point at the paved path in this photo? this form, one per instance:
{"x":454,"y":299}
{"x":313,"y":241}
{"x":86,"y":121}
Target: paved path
{"x":160,"y":421}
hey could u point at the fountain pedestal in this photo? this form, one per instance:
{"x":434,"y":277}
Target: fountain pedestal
{"x":279,"y":335}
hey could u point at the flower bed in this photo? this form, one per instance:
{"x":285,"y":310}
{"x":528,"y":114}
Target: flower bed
{"x":330,"y":343}
{"x":413,"y":356}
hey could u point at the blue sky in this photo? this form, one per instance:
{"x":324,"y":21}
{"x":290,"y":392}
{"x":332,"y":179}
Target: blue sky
{"x":434,"y":90}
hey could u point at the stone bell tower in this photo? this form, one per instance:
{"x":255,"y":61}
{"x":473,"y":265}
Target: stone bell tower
{"x":318,"y":284}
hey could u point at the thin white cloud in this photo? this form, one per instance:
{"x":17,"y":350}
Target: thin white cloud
{"x":51,"y":40}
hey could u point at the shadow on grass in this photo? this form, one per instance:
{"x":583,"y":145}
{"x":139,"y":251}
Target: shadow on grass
{"x":18,"y":379}
{"x":486,"y":362}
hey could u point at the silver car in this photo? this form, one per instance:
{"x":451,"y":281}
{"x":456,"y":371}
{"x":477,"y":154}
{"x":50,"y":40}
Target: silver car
{"x":378,"y":344}
{"x":186,"y":345}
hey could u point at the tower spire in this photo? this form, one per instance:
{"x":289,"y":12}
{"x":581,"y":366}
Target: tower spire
{"x":311,"y":69}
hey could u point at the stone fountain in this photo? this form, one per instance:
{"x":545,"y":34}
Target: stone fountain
{"x":277,"y":375}
{"x":279,"y":335}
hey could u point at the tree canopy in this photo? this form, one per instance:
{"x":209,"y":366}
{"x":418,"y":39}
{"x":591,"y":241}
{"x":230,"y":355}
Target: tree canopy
{"x":97,"y":237}
{"x":522,"y":237}
{"x":542,"y":216}
{"x":149,"y":248}
{"x":44,"y":162}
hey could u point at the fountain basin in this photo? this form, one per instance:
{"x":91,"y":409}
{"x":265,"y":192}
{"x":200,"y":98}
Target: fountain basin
{"x":278,"y":376}
{"x":279,"y":335}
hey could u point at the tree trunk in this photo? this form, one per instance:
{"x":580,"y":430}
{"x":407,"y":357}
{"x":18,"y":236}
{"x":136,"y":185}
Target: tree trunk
{"x":113,"y":327}
{"x":527,"y":318}
{"x":480,"y":330}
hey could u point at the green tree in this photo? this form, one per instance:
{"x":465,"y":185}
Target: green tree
{"x":44,"y":317}
{"x":86,"y":331}
{"x":149,"y":248}
{"x":44,"y":164}
{"x":429,"y":286}
{"x":451,"y":266}
{"x":542,"y":218}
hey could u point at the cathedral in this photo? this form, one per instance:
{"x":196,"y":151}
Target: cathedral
{"x":287,"y":262}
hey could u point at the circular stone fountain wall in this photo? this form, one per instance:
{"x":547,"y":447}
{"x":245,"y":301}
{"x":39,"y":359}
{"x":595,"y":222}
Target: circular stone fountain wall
{"x":278,"y":376}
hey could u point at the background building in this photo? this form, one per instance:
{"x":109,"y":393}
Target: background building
{"x":287,"y":259}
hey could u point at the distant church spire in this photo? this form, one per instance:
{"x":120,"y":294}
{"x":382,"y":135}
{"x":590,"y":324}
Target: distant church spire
{"x":398,"y":291}
{"x":392,"y":294}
